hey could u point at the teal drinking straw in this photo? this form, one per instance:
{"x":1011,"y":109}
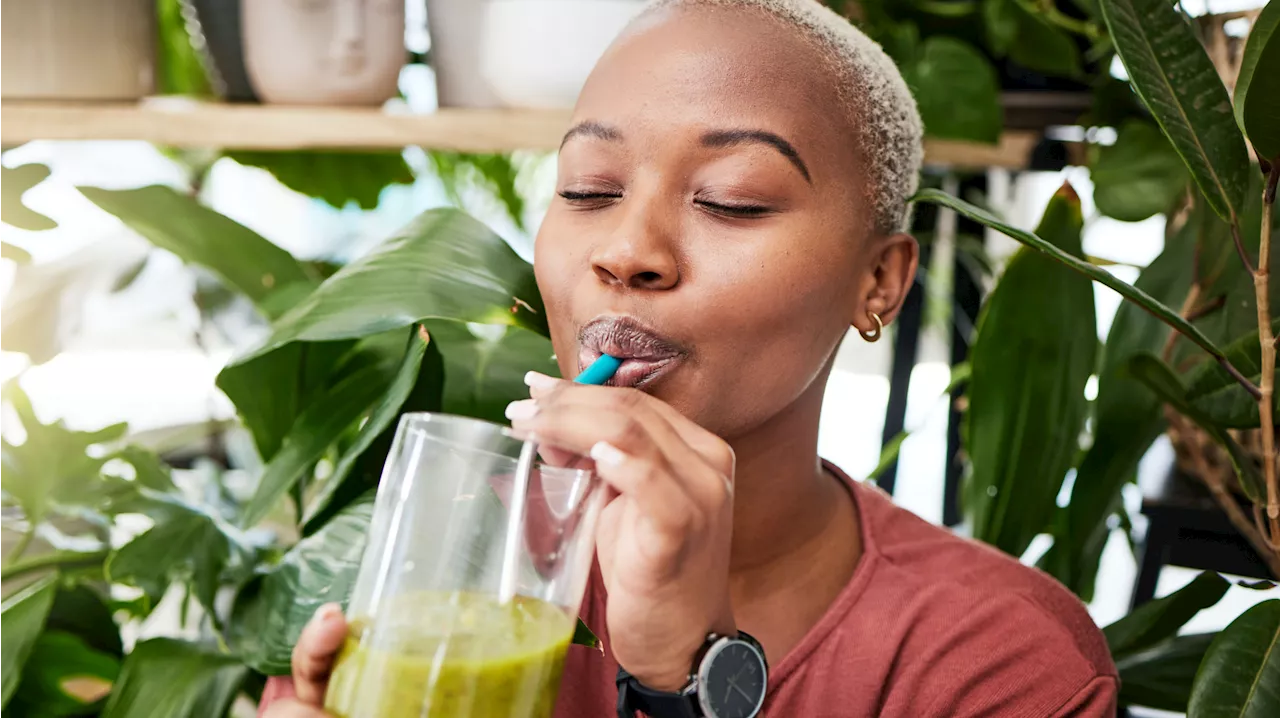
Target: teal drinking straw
{"x":600,"y":371}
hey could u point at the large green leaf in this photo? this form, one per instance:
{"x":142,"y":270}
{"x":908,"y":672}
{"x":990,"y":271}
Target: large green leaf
{"x":330,"y":413}
{"x":270,"y":391}
{"x":1138,"y":176}
{"x":1043,"y":47}
{"x":188,"y":544}
{"x":168,"y":678}
{"x":271,"y":611}
{"x":484,"y":366}
{"x":53,"y":466}
{"x":337,"y":177}
{"x":177,"y":222}
{"x":956,"y":89}
{"x":1000,"y":23}
{"x":1217,"y":394}
{"x":1158,"y":620}
{"x":22,"y":618}
{"x":1033,"y":354}
{"x":82,"y":610}
{"x":1165,"y":383}
{"x":1126,"y":290}
{"x":1176,"y":79}
{"x":444,"y":265}
{"x":64,"y":676}
{"x":15,"y":181}
{"x":1240,"y":674}
{"x":1257,"y":95}
{"x":417,"y":387}
{"x":1161,"y":676}
{"x":1127,"y":418}
{"x":495,"y":172}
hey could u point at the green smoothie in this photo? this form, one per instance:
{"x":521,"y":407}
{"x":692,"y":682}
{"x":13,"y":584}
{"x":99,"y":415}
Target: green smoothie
{"x":452,"y":655}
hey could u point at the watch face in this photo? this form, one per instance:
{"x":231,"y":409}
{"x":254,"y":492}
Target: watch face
{"x":732,"y":684}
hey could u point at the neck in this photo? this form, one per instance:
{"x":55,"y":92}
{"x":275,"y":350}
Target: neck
{"x":783,"y":499}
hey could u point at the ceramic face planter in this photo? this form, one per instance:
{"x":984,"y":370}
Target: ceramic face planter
{"x":324,"y":52}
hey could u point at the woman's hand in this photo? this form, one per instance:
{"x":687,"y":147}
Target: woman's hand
{"x":303,"y":696}
{"x":664,"y":541}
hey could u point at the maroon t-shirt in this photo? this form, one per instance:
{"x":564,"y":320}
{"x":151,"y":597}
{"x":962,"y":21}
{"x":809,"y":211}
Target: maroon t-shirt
{"x":930,"y":624}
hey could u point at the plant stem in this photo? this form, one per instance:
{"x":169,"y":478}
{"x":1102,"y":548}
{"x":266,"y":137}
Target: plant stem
{"x":1261,"y":278}
{"x":23,"y":542}
{"x":75,"y":559}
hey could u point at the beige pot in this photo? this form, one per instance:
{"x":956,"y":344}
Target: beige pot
{"x":324,"y":52}
{"x":77,"y":49}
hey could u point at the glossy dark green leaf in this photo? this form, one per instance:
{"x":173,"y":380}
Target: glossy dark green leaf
{"x":22,"y":618}
{"x":417,"y":387}
{"x":15,"y":182}
{"x":1161,"y":676}
{"x":1127,"y":418}
{"x":1179,"y":84}
{"x":444,"y":265}
{"x":177,"y":222}
{"x":484,"y":366}
{"x":168,"y":678}
{"x":1240,"y":674}
{"x":1165,"y":383}
{"x":1259,"y":585}
{"x":1159,"y":620}
{"x":1138,"y":176}
{"x":584,"y":636}
{"x":188,"y":544}
{"x":1126,"y":290}
{"x":956,"y":90}
{"x":52,"y":466}
{"x":330,"y":413}
{"x":1043,"y":47}
{"x":270,"y":612}
{"x":336,"y":177}
{"x":1034,"y":351}
{"x":1257,"y":94}
{"x":64,"y":677}
{"x":82,"y":610}
{"x":1000,"y":22}
{"x":270,"y":390}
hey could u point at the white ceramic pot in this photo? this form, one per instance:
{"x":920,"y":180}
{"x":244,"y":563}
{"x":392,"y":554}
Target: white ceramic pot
{"x":456,"y":27}
{"x":324,"y":52}
{"x":538,"y":53}
{"x":78,"y":49}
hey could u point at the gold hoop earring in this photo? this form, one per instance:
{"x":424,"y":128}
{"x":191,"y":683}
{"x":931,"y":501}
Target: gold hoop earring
{"x":874,"y":335}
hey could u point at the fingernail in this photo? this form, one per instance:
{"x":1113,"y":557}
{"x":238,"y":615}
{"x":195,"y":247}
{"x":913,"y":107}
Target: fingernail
{"x":328,"y":612}
{"x":534,"y":380}
{"x":522,"y":410}
{"x":607,"y":454}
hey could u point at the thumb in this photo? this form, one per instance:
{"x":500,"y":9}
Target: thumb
{"x":314,"y":654}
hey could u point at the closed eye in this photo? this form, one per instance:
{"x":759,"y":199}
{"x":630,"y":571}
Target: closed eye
{"x":589,"y":200}
{"x":735,"y":211}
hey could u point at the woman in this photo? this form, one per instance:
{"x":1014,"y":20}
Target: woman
{"x":732,"y":196}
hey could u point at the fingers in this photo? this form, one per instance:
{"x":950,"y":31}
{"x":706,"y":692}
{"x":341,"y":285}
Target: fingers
{"x":314,"y":654}
{"x":293,"y":708}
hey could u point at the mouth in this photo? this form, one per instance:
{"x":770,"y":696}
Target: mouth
{"x":646,"y":355}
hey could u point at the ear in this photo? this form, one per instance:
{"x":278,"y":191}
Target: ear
{"x":892,"y":261}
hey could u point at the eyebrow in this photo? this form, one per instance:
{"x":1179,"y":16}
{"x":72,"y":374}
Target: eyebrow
{"x":712,"y":138}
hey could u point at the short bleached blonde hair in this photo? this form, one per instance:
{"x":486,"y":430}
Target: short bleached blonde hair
{"x":881,"y":110}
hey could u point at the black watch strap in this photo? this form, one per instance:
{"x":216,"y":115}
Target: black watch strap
{"x":633,"y":696}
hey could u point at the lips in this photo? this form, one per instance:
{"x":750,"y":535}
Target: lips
{"x":646,"y":355}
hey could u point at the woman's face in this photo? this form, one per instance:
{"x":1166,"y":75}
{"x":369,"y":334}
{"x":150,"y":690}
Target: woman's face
{"x":709,"y":196}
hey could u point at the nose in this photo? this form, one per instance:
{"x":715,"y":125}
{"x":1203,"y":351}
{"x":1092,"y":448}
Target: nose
{"x":640,"y":254}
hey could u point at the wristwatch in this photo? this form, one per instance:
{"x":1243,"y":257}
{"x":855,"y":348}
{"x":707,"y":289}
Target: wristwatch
{"x":728,"y":681}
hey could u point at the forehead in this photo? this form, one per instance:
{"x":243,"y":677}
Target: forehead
{"x":707,"y":67}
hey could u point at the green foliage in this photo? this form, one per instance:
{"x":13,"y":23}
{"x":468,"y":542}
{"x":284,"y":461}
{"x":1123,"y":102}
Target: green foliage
{"x":15,"y":181}
{"x":484,"y":366}
{"x":22,"y":618}
{"x":1127,"y":418}
{"x":168,"y":678}
{"x":1158,"y":620}
{"x":1161,"y":676}
{"x":494,"y":172}
{"x":63,"y":677}
{"x":180,"y":69}
{"x":337,"y":177}
{"x":1219,"y":397}
{"x":1257,"y":94}
{"x":942,"y":71}
{"x":1139,"y":176}
{"x":1177,"y":81}
{"x":1240,"y":674}
{"x":1032,"y":356}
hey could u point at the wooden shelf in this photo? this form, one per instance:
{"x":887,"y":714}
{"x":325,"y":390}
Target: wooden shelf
{"x":178,"y":122}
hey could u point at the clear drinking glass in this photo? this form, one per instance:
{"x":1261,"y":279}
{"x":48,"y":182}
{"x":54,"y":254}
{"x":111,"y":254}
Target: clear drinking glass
{"x":430,"y":636}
